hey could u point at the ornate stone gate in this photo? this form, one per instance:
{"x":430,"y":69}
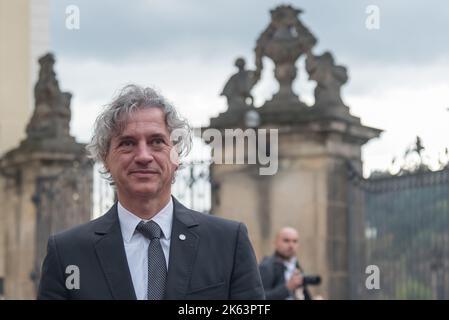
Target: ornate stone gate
{"x":309,"y":189}
{"x":46,"y":186}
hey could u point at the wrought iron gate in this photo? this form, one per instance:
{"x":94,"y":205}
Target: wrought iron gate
{"x":406,"y":235}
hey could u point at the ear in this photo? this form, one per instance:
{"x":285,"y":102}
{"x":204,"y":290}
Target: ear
{"x":174,"y":157}
{"x":105,"y":164}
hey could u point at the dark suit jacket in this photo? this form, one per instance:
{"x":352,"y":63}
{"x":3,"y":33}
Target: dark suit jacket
{"x":215,"y":261}
{"x":272,"y":272}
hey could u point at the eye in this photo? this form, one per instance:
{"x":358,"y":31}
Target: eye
{"x":158,"y":141}
{"x":126,"y":143}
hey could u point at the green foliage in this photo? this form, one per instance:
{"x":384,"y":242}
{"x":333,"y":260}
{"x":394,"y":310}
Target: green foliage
{"x":413,"y":290}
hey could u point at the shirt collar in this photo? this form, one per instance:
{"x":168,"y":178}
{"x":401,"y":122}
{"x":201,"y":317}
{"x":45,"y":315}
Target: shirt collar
{"x":291,"y":263}
{"x":129,"y":221}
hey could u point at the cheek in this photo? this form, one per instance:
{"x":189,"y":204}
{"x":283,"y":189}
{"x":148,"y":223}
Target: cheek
{"x":164,"y":162}
{"x":174,"y":166}
{"x":121,"y":160}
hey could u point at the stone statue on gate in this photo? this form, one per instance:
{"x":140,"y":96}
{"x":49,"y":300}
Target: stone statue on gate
{"x":51,"y":117}
{"x":238,"y":88}
{"x":284,"y":41}
{"x":329,"y":78}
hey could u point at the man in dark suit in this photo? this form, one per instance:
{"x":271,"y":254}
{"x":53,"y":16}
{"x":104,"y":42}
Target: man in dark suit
{"x":281,"y":273}
{"x":148,"y":245}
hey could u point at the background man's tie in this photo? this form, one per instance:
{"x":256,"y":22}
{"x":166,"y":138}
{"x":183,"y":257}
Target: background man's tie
{"x":157,"y":268}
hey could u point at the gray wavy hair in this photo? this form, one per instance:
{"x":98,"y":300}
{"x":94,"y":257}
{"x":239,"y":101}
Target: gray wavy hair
{"x":112,"y":121}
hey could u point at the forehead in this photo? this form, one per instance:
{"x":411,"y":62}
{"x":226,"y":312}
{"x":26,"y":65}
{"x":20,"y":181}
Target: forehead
{"x":288,"y":235}
{"x":146,"y":120}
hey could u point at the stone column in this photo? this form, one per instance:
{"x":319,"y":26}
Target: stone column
{"x":309,"y":193}
{"x":315,"y":143}
{"x":50,"y":154}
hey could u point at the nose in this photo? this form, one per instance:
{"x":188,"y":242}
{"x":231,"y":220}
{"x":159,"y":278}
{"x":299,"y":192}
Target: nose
{"x":143,"y":154}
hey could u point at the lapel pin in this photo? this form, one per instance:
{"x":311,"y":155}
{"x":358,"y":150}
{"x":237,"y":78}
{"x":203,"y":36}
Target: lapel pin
{"x":182,"y":237}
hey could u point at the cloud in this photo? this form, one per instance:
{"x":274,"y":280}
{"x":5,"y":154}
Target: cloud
{"x":193,"y":89}
{"x":398,"y":74}
{"x":116,"y":30}
{"x":404,"y":113}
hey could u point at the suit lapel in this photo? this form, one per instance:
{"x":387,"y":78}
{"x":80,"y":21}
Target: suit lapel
{"x":183,"y":250}
{"x":111,"y":254}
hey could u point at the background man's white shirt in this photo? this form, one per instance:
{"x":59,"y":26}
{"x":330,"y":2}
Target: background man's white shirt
{"x":290,"y":267}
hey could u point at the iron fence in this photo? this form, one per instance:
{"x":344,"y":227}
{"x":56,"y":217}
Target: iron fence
{"x":406,"y":235}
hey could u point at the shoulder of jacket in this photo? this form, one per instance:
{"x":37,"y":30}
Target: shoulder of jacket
{"x":210,"y":219}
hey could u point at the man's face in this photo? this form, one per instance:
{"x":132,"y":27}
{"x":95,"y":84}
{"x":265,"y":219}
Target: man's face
{"x":139,"y":157}
{"x":286,"y":243}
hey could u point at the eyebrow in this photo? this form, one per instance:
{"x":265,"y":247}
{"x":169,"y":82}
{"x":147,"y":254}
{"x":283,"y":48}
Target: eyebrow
{"x":131,"y":137}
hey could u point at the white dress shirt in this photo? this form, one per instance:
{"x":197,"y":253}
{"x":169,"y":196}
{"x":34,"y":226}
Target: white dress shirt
{"x":136,"y":245}
{"x":290,"y":267}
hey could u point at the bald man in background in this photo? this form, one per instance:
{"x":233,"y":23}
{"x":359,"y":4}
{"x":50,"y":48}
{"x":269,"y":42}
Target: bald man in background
{"x":282,"y":275}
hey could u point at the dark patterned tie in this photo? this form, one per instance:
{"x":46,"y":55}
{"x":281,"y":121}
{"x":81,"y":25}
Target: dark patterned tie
{"x":157,"y":268}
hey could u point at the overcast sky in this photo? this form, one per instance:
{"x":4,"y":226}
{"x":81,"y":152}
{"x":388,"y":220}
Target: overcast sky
{"x":399,"y":74}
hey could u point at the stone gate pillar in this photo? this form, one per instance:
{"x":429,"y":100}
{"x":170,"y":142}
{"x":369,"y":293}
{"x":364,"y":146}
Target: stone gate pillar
{"x":309,"y":189}
{"x":46,"y":185}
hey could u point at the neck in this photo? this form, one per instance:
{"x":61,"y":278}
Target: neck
{"x":145,"y":208}
{"x":282,"y":257}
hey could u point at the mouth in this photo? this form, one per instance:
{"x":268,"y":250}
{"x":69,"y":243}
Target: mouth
{"x":143,"y":172}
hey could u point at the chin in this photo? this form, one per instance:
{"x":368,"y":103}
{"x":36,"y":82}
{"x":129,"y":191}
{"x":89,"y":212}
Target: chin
{"x":145,"y":191}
